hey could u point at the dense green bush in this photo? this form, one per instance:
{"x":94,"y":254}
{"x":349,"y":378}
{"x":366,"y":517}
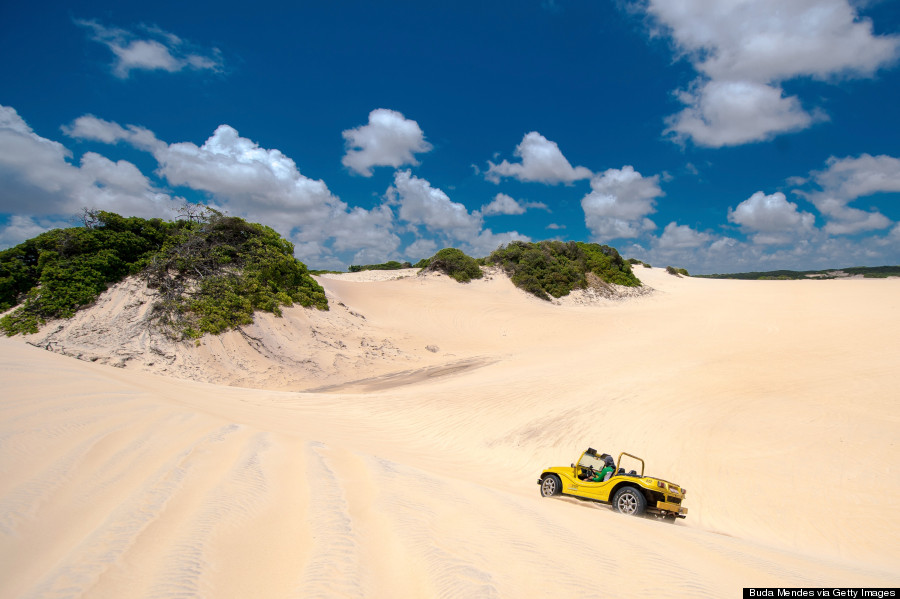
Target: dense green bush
{"x":555,"y":268}
{"x":60,"y":271}
{"x":677,"y":271}
{"x":455,"y":263}
{"x":211,"y":272}
{"x":634,"y":261}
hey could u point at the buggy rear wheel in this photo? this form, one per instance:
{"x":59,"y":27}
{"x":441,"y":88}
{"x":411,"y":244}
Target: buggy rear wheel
{"x":629,"y":501}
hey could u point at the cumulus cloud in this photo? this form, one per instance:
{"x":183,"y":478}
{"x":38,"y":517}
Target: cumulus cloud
{"x":260,"y":182}
{"x":389,"y":139}
{"x":844,"y":181}
{"x":420,"y":248}
{"x":37,"y":177}
{"x":542,"y":161}
{"x":263,"y":185}
{"x":727,"y":113}
{"x":21,"y":228}
{"x":771,"y":219}
{"x":681,"y":237}
{"x":89,"y":127}
{"x":422,"y":204}
{"x":619,"y":202}
{"x":740,"y":47}
{"x":149,"y":49}
{"x":504,"y":204}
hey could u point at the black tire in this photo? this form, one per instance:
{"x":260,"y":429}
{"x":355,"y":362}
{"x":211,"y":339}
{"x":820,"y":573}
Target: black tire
{"x":629,"y":501}
{"x":550,"y":486}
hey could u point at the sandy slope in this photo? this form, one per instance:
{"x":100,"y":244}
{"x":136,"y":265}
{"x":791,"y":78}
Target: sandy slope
{"x":774,"y":403}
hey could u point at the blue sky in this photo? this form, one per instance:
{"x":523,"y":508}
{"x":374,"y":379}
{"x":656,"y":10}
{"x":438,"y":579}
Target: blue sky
{"x":717,"y":136}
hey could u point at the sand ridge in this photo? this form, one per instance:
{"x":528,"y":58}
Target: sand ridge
{"x":773,"y":402}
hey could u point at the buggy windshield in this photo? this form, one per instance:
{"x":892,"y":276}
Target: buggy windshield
{"x":591,"y":459}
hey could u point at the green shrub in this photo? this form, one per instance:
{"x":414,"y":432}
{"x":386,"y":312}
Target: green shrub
{"x":677,"y":271}
{"x":634,"y":261}
{"x":554,"y":268}
{"x":213,"y":275}
{"x":212,"y":271}
{"x":456,"y":264}
{"x":60,"y":271}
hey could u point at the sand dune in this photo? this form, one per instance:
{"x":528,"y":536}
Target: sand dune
{"x":413,"y":474}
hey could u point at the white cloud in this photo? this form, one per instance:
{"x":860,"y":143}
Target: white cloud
{"x":542,"y":161}
{"x":618,"y":205}
{"x":741,"y":47}
{"x":95,"y":129}
{"x":37,"y":178}
{"x":894,"y":236}
{"x":851,"y":178}
{"x":773,"y":40}
{"x":420,"y":248}
{"x":260,"y":184}
{"x":92,"y":128}
{"x":389,"y":139}
{"x":152,"y":49}
{"x":772,"y":219}
{"x":845,"y":180}
{"x":21,"y":228}
{"x":422,"y":204}
{"x":502,"y":204}
{"x":368,"y":233}
{"x":681,"y":237}
{"x":727,"y":113}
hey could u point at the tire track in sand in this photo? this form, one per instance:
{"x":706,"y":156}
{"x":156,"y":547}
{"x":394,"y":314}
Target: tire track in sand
{"x":86,"y":563}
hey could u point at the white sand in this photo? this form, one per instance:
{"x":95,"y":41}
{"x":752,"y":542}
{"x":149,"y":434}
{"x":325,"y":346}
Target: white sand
{"x":775,"y":403}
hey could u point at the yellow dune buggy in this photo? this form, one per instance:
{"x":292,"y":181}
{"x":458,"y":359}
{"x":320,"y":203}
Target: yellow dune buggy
{"x":628,"y":492}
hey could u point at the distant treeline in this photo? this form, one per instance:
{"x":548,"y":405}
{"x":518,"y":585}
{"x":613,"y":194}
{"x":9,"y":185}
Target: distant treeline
{"x":390,"y":265}
{"x":869,"y":272}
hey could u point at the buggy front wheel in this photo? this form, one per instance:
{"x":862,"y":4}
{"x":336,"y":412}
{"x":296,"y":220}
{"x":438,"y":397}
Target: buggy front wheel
{"x":551,"y":485}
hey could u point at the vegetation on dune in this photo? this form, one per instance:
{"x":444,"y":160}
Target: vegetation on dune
{"x":455,"y":263}
{"x":211,"y":271}
{"x":390,"y":265}
{"x":555,"y":268}
{"x":678,"y":272}
{"x":211,"y":276}
{"x":634,"y":261}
